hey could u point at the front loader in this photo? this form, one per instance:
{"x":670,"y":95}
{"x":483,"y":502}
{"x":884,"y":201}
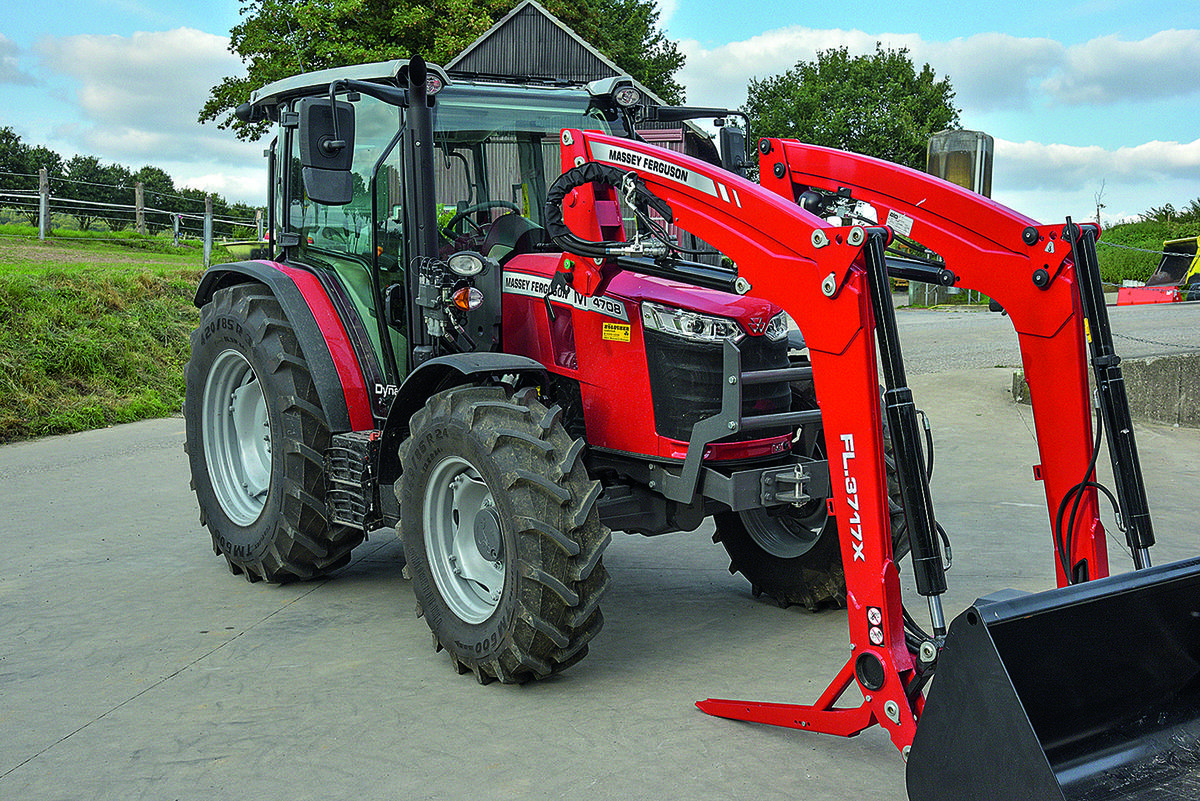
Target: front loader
{"x":509,"y":379}
{"x":1089,"y":691}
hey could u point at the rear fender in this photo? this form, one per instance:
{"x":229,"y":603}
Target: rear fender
{"x":437,"y":375}
{"x":322,"y":336}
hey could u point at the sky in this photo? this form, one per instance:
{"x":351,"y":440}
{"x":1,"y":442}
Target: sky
{"x":1084,"y":98}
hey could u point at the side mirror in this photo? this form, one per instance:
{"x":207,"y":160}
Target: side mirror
{"x":327,"y":150}
{"x":732,"y":142}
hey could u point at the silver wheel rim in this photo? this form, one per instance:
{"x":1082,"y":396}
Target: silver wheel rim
{"x":237,"y":437}
{"x":788,"y":533}
{"x":455,"y":497}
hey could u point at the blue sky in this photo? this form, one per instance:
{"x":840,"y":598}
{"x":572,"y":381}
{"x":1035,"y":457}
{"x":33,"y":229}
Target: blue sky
{"x":1081,"y":97}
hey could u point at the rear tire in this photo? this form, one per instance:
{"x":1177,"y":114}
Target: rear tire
{"x":792,"y":554}
{"x":501,"y":532}
{"x":256,"y":434}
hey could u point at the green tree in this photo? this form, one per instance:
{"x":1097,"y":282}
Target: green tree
{"x":877,"y":104}
{"x":84,"y":181}
{"x":19,"y":165}
{"x":12,"y":167}
{"x":158,"y":192}
{"x":278,"y":38}
{"x":12,"y":152}
{"x":1167,"y":213}
{"x":119,"y":182}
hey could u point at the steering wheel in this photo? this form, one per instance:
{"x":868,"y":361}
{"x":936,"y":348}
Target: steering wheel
{"x":464,"y":214}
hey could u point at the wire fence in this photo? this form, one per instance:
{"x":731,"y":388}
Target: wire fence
{"x":49,"y":202}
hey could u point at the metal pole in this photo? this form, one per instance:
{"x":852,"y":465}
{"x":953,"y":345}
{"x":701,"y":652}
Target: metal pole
{"x":208,"y":230}
{"x":43,"y":204}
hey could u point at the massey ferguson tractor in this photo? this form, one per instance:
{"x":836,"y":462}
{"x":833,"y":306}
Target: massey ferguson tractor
{"x":479,"y":323}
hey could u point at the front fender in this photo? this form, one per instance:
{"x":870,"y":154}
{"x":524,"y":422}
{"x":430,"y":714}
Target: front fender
{"x":435,"y":376}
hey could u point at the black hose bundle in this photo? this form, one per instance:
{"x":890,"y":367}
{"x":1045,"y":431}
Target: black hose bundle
{"x":628,"y":183}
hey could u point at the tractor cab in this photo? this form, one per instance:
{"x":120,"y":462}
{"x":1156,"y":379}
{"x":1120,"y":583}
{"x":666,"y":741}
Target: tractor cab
{"x":348,"y":203}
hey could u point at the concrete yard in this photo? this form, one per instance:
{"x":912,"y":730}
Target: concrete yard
{"x":133,"y":665}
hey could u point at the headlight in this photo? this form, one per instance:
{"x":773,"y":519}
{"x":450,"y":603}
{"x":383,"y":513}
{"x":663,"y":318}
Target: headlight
{"x":777,"y":327}
{"x":627,"y":96}
{"x":690,"y":324}
{"x":465,"y":263}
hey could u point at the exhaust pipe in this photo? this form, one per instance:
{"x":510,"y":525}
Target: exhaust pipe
{"x":1085,"y":693}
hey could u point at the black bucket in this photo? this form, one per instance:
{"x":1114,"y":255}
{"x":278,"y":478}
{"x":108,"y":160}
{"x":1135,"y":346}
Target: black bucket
{"x":1086,"y":693}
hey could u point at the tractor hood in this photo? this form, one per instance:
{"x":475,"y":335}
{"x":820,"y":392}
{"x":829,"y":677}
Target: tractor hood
{"x":637,"y":288}
{"x":634,"y":288}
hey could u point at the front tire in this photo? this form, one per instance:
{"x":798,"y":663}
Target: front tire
{"x":256,"y":433}
{"x":501,"y":532}
{"x":792,"y":554}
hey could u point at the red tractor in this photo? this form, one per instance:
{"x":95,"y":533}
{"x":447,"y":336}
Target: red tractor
{"x":478,"y":326}
{"x":417,"y":328}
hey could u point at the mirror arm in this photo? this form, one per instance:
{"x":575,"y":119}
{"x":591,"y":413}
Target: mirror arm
{"x":335,"y":145}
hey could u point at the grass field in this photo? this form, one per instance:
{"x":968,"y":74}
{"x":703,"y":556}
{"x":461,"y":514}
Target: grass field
{"x":92,"y":332}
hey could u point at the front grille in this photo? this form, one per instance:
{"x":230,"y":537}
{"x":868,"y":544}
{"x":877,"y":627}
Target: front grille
{"x":686,"y":382}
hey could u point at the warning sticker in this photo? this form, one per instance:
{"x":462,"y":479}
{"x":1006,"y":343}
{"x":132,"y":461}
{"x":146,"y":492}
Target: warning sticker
{"x":615,"y":332}
{"x":900,"y":223}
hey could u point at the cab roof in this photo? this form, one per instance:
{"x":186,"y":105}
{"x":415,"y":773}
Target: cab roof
{"x":308,"y":83}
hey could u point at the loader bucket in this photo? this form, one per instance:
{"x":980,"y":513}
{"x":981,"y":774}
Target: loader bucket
{"x":1088,"y":693}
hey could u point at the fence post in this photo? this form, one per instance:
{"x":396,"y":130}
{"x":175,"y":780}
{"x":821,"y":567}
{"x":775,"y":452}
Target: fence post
{"x":176,"y":219}
{"x":43,"y":204}
{"x":139,"y":207}
{"x":258,"y":223}
{"x":208,"y":230}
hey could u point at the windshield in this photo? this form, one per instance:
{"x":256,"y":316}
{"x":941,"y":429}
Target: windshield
{"x":497,"y":148}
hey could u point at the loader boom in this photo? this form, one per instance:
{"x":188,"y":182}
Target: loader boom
{"x":1024,"y":266}
{"x":822,"y":276}
{"x":817,"y":273}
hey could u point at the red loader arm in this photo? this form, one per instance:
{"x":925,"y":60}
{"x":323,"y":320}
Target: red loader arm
{"x":825,"y":290}
{"x":1024,"y":266}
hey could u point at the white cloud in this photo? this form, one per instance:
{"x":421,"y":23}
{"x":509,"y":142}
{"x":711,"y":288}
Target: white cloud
{"x":10,"y":67}
{"x":666,"y":10}
{"x":138,"y":96}
{"x":1049,"y":181}
{"x":1032,"y":165}
{"x":719,"y":76}
{"x":988,"y":71}
{"x":1108,"y":70}
{"x":246,"y":186}
{"x":991,"y":70}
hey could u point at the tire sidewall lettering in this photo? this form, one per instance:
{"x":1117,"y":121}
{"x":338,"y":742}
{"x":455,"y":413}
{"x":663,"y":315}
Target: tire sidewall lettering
{"x":225,"y":328}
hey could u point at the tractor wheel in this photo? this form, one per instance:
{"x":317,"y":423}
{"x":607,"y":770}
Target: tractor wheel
{"x":501,"y":533}
{"x":256,"y":433}
{"x":792,"y":554}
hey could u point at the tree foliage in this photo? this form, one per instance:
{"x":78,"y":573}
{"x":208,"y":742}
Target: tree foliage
{"x":97,"y":183}
{"x":876,"y":104}
{"x":279,"y":38}
{"x":1166,"y":213}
